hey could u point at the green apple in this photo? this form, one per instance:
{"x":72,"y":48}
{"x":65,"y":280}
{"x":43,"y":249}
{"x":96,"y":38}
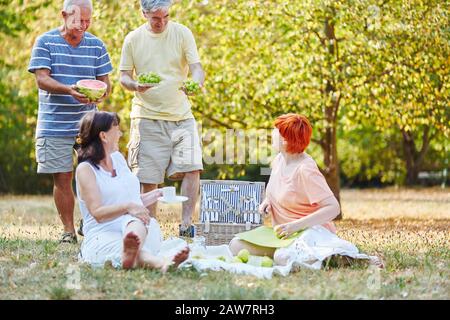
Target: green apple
{"x":237,"y":260}
{"x":277,"y":235}
{"x":244,"y":254}
{"x":267,"y":262}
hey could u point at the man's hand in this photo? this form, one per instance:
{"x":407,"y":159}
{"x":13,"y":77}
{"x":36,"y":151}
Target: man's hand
{"x":185,"y":92}
{"x":198,"y":75}
{"x":78,"y":96}
{"x":190,"y":94}
{"x":84,"y":98}
{"x":99,"y":100}
{"x":141,"y":87}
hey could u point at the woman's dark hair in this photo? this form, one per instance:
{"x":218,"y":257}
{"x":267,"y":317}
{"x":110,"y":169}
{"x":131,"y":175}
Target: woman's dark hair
{"x":90,"y":145}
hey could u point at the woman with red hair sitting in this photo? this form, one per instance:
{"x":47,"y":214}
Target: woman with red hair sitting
{"x":298,"y":198}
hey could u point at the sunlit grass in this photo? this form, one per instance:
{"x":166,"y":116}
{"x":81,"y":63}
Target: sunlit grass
{"x":409,"y":229}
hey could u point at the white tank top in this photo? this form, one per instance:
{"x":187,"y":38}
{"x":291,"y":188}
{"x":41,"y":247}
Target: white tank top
{"x":122,"y":188}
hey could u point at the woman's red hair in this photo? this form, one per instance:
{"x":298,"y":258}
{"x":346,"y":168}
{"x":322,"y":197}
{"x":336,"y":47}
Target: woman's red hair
{"x":296,"y":130}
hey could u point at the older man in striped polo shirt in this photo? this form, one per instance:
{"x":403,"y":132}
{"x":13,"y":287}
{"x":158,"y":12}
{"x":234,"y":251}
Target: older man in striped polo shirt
{"x":61,"y":57}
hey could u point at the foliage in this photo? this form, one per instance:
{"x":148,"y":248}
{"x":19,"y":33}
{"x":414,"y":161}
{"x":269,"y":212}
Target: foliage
{"x":373,"y":77}
{"x":411,"y":236}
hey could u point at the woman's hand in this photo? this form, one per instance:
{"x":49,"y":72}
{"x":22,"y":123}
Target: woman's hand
{"x":285,"y":230}
{"x":139,"y":212}
{"x":151,"y":197}
{"x":265,"y":208}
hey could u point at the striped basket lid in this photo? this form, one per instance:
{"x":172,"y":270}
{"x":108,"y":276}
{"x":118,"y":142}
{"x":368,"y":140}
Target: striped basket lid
{"x":230,"y":201}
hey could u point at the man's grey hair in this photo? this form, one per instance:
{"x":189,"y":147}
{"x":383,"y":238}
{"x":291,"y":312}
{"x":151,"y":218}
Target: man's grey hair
{"x":154,"y":5}
{"x":69,"y":4}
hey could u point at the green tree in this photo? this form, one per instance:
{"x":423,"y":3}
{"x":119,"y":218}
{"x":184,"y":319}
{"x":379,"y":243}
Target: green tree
{"x":17,"y":110}
{"x":412,"y":95}
{"x":371,"y":75}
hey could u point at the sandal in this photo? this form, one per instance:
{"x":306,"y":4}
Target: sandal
{"x":80,"y":229}
{"x":68,"y":237}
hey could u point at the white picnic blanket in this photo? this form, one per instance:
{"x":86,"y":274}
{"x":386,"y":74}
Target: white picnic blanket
{"x":308,"y":251}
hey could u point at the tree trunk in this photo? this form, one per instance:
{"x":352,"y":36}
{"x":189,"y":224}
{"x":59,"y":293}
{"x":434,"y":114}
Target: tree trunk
{"x":412,"y":176}
{"x":331,"y":97}
{"x":413,"y":158}
{"x":329,"y":139}
{"x":409,"y":151}
{"x":330,"y":159}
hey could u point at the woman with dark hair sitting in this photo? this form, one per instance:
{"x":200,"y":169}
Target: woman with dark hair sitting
{"x":117,"y":225}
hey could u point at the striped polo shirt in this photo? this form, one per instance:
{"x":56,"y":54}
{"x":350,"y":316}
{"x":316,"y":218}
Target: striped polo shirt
{"x":59,"y":114}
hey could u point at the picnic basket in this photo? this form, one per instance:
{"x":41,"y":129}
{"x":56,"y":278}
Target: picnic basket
{"x":228,"y":207}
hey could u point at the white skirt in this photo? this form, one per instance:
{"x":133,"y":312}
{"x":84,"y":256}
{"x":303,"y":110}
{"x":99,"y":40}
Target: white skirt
{"x":106,"y":245}
{"x":309,"y":251}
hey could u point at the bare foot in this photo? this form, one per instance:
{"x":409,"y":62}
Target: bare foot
{"x":177,"y":260}
{"x":377,"y":262}
{"x":131,"y":244}
{"x":181,"y":257}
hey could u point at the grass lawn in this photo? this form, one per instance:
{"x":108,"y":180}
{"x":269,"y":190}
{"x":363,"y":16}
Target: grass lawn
{"x":409,"y":229}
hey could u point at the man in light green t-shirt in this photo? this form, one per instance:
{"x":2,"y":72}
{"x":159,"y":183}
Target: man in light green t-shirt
{"x":163,"y":134}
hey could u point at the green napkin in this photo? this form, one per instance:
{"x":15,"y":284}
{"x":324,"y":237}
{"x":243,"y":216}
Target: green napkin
{"x":265,"y":237}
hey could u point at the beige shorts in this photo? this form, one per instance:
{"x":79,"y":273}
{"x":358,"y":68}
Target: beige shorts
{"x":55,"y":154}
{"x":159,"y":147}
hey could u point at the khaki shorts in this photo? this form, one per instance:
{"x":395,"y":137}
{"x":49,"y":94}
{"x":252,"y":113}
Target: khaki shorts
{"x":159,"y":147}
{"x":55,"y":154}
